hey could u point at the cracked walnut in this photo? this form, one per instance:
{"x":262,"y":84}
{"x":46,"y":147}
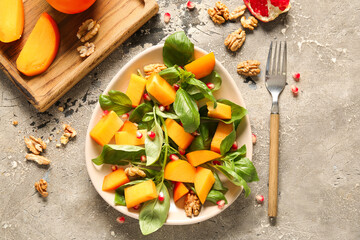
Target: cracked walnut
{"x":249,"y":23}
{"x":192,"y":205}
{"x":248,"y":68}
{"x":235,"y":40}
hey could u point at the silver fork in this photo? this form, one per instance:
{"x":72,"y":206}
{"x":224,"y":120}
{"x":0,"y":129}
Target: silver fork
{"x":275,"y":80}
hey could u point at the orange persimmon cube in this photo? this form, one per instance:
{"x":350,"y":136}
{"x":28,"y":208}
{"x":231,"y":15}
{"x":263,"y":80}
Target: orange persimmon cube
{"x":179,"y":171}
{"x":160,"y":89}
{"x":178,"y":134}
{"x":202,"y":66}
{"x":130,"y":138}
{"x":11,"y":20}
{"x":129,"y":127}
{"x":222,"y":111}
{"x":221,"y":133}
{"x":114,"y":180}
{"x":180,"y":190}
{"x":136,"y":89}
{"x":106,"y":128}
{"x":201,"y":156}
{"x":140,"y":193}
{"x":204,"y":179}
{"x":40,"y":48}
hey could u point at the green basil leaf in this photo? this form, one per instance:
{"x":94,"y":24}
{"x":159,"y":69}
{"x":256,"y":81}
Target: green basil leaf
{"x":228,"y":142}
{"x":144,"y":125}
{"x":213,"y":78}
{"x":153,"y":146}
{"x":203,"y":141}
{"x":148,"y":117}
{"x":178,"y":50}
{"x":237,"y":112}
{"x":187,"y":110}
{"x":165,"y":114}
{"x":118,"y":97}
{"x":116,"y":101}
{"x":246,"y":169}
{"x":214,"y":196}
{"x":234,"y":178}
{"x":139,"y":112}
{"x":218,"y":184}
{"x":154,"y":213}
{"x":171,"y":75}
{"x":204,"y":90}
{"x":118,"y":154}
{"x":119,"y":192}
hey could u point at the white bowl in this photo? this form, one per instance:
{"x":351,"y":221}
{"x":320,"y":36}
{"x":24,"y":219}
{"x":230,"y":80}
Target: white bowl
{"x":120,"y":82}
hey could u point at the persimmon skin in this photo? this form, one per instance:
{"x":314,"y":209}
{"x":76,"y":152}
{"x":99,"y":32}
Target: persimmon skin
{"x":71,"y":6}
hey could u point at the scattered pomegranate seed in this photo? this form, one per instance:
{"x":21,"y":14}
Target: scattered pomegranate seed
{"x":295,"y":90}
{"x":146,"y":97}
{"x":151,"y":134}
{"x":190,"y":5}
{"x":259,"y":199}
{"x":196,"y":133}
{"x":143,"y":158}
{"x":221,"y":204}
{"x":216,"y":162}
{"x":161,"y":196}
{"x":105,"y":112}
{"x":253,"y":137}
{"x":125,"y":116}
{"x":167,"y":17}
{"x":296,"y":76}
{"x":114,"y":168}
{"x":139,"y":135}
{"x":234,"y":146}
{"x":120,"y":219}
{"x":167,"y":108}
{"x":174,"y":157}
{"x":161,"y":108}
{"x":210,"y":86}
{"x":136,"y":207}
{"x":181,"y":151}
{"x":176,"y":86}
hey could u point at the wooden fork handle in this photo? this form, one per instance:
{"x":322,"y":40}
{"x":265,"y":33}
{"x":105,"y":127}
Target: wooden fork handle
{"x":273,"y":165}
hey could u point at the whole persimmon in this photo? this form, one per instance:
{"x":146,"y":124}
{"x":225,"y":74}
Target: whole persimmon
{"x":71,"y":6}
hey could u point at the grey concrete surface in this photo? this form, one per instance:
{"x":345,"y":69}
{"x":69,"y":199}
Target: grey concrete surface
{"x":319,"y":136}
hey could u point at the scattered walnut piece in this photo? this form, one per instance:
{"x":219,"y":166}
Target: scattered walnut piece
{"x":38,"y":159}
{"x":249,"y":23}
{"x":15,"y":123}
{"x":35,"y":145}
{"x":88,"y":30}
{"x":69,"y":132}
{"x":192,"y":205}
{"x":215,"y":15}
{"x":223,"y":9}
{"x":86,"y":50}
{"x":61,"y":109}
{"x":41,"y":187}
{"x":249,"y":68}
{"x":58,"y":145}
{"x":134,"y":171}
{"x":238,"y":12}
{"x":154,"y":68}
{"x":235,"y":40}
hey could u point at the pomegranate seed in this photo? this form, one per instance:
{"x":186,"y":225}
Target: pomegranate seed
{"x":234,"y":146}
{"x":296,"y":76}
{"x":192,"y":192}
{"x":210,"y":86}
{"x":295,"y":90}
{"x":216,"y":162}
{"x":173,"y":157}
{"x":181,"y":151}
{"x":161,"y":108}
{"x":167,"y":108}
{"x":105,"y":112}
{"x":146,"y":97}
{"x":221,"y":204}
{"x":190,"y":5}
{"x":253,"y":138}
{"x":167,"y":17}
{"x":114,"y":168}
{"x":180,"y":123}
{"x":196,"y":133}
{"x":125,"y":116}
{"x":143,"y":158}
{"x":120,"y":219}
{"x":151,"y":134}
{"x":139,"y":135}
{"x":136,"y":207}
{"x":259,"y":199}
{"x":161,"y":196}
{"x":181,"y":67}
{"x":176,"y":86}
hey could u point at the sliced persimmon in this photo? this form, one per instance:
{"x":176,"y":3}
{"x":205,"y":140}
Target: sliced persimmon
{"x":40,"y":48}
{"x":11,"y":20}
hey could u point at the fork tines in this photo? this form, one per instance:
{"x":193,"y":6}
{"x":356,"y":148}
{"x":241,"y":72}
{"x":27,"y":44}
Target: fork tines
{"x":276,"y":64}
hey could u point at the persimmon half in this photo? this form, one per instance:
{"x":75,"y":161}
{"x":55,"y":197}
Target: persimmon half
{"x":40,"y":48}
{"x":11,"y":20}
{"x":71,"y":6}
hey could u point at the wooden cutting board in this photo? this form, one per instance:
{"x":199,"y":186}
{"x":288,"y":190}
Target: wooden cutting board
{"x":118,"y":19}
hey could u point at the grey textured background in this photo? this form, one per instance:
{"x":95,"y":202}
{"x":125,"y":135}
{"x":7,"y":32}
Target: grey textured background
{"x":319,"y":156}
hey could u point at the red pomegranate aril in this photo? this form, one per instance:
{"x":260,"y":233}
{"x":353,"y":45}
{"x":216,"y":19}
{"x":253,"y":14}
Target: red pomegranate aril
{"x":181,"y":151}
{"x":146,"y":97}
{"x":161,"y":108}
{"x":210,"y":86}
{"x":105,"y":112}
{"x":173,"y":157}
{"x":176,"y":86}
{"x":221,"y":204}
{"x":125,"y":116}
{"x":167,"y":17}
{"x":167,"y":108}
{"x":181,"y":124}
{"x":216,"y":162}
{"x":253,"y":138}
{"x":136,"y":207}
{"x":190,"y":5}
{"x":139,"y":135}
{"x":295,"y":90}
{"x":259,"y":199}
{"x":120,"y":219}
{"x":151,"y":134}
{"x":143,"y":158}
{"x":114,"y":168}
{"x":234,"y":146}
{"x":161,"y":197}
{"x":296,"y":76}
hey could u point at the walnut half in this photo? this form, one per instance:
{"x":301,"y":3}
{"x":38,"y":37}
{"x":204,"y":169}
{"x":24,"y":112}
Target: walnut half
{"x":134,"y":171}
{"x":238,"y":12}
{"x":153,"y":68}
{"x":38,"y":159}
{"x":88,"y":30}
{"x":192,"y":205}
{"x":86,"y":50}
{"x":41,"y":187}
{"x":249,"y":23}
{"x":249,"y":68}
{"x":35,"y":145}
{"x":220,"y":13}
{"x":235,"y":40}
